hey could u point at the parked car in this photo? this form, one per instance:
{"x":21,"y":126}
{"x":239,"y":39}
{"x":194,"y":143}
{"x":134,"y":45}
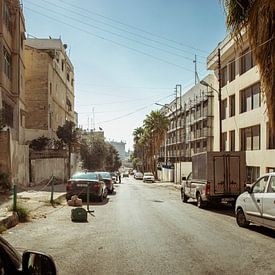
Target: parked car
{"x":79,"y":182}
{"x":215,"y":177}
{"x":148,"y":177}
{"x":257,"y":203}
{"x":114,"y":176}
{"x":31,"y":262}
{"x":107,"y":178}
{"x":138,"y":176}
{"x":125,"y":175}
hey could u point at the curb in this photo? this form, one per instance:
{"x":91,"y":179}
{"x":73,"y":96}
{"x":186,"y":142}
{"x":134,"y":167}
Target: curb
{"x":12,"y":219}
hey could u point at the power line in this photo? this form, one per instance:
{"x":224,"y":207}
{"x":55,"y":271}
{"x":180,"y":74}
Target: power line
{"x":113,"y":33}
{"x":117,"y":28}
{"x":116,"y":102}
{"x":133,"y":112}
{"x":133,"y":27}
{"x":109,"y":40}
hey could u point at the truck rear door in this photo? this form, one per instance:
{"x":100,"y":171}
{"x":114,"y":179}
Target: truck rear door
{"x":219,"y":174}
{"x":234,"y":178}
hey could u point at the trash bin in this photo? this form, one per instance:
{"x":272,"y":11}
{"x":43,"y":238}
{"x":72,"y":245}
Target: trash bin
{"x":79,"y":214}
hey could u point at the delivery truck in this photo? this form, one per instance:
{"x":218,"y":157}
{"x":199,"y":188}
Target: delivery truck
{"x":215,"y":177}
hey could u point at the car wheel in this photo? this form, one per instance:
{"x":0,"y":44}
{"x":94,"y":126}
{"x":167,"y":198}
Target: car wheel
{"x":200,"y":203}
{"x":184,"y":198}
{"x":241,"y":219}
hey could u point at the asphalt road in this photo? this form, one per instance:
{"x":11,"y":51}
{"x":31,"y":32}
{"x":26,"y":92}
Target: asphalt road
{"x":146,"y":229}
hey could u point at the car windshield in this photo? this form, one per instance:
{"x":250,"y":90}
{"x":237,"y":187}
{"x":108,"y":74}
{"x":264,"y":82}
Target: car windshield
{"x":85,"y":176}
{"x":105,"y":175}
{"x":148,"y":174}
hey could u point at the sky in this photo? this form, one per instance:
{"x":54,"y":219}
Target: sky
{"x":128,"y":55}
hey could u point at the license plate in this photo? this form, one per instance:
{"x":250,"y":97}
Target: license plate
{"x":82,"y":185}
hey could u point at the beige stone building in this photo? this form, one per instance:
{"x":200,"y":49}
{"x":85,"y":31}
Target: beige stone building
{"x":243,"y":114}
{"x":49,"y":87}
{"x":13,"y":152}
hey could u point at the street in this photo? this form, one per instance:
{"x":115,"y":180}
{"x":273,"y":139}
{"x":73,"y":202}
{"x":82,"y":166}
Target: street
{"x":146,"y":229}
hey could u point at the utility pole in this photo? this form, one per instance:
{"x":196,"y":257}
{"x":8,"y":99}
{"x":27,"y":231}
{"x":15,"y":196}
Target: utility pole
{"x":220,"y":97}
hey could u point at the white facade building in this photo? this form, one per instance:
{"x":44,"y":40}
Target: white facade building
{"x":243,"y":112}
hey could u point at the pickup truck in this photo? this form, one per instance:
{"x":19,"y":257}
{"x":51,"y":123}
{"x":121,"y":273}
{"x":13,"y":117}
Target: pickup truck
{"x":215,"y":177}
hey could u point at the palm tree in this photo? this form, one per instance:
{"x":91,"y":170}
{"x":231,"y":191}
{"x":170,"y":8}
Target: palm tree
{"x":257,"y":18}
{"x":156,"y":124}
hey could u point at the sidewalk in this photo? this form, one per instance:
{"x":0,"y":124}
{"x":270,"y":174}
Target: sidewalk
{"x":31,"y":199}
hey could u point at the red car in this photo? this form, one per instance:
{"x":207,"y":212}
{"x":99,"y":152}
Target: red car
{"x":79,"y":183}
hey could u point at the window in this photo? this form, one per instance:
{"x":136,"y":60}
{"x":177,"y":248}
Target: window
{"x":8,"y":114}
{"x":232,"y":140}
{"x":224,"y":141}
{"x":223,"y":109}
{"x":260,"y":186}
{"x":68,"y":76}
{"x":246,"y":61}
{"x":62,"y":65}
{"x":250,"y":98}
{"x":271,"y":138}
{"x":7,"y":17}
{"x":224,"y":76}
{"x":252,"y":173}
{"x":7,"y":63}
{"x":232,"y":70}
{"x":232,"y":105}
{"x":271,"y":187}
{"x":250,"y":138}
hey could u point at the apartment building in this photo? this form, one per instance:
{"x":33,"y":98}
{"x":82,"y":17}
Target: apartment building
{"x":49,"y":87}
{"x":13,"y":152}
{"x":243,"y":111}
{"x":191,"y":129}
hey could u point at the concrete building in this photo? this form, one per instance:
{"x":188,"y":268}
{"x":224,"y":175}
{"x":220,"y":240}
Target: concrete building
{"x":243,"y":114}
{"x":49,"y":87}
{"x":120,"y":147}
{"x":13,"y":152}
{"x":191,"y":128}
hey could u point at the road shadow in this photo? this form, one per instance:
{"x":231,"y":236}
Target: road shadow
{"x":113,"y":193}
{"x":262,"y":230}
{"x":219,"y":208}
{"x":95,"y":202}
{"x":4,"y":197}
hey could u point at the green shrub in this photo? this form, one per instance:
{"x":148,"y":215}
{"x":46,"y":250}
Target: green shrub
{"x":39,"y":144}
{"x":22,"y":212}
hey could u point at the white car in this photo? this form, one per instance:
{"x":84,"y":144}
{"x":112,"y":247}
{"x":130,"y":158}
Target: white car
{"x":148,"y":177}
{"x":138,"y":176}
{"x":257,"y":204}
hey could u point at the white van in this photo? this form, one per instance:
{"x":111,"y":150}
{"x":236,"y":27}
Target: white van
{"x":257,"y":204}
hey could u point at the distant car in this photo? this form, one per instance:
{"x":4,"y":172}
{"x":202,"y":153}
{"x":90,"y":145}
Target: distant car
{"x":138,"y":176}
{"x":78,"y":184}
{"x":114,"y":176}
{"x":107,"y":178}
{"x":148,"y":177}
{"x":31,"y":262}
{"x":257,"y":203}
{"x":125,"y":175}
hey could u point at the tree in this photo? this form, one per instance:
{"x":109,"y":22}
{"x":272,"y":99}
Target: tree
{"x":112,"y":161}
{"x":156,"y":124}
{"x":256,"y":17}
{"x":68,"y":135}
{"x":148,"y":139}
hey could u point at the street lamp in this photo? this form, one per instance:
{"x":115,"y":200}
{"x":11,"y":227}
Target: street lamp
{"x":175,"y":117}
{"x":204,"y":83}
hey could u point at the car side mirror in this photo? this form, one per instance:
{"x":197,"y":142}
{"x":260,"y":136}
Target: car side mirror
{"x":248,"y":188}
{"x":38,"y":263}
{"x":183,"y":178}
